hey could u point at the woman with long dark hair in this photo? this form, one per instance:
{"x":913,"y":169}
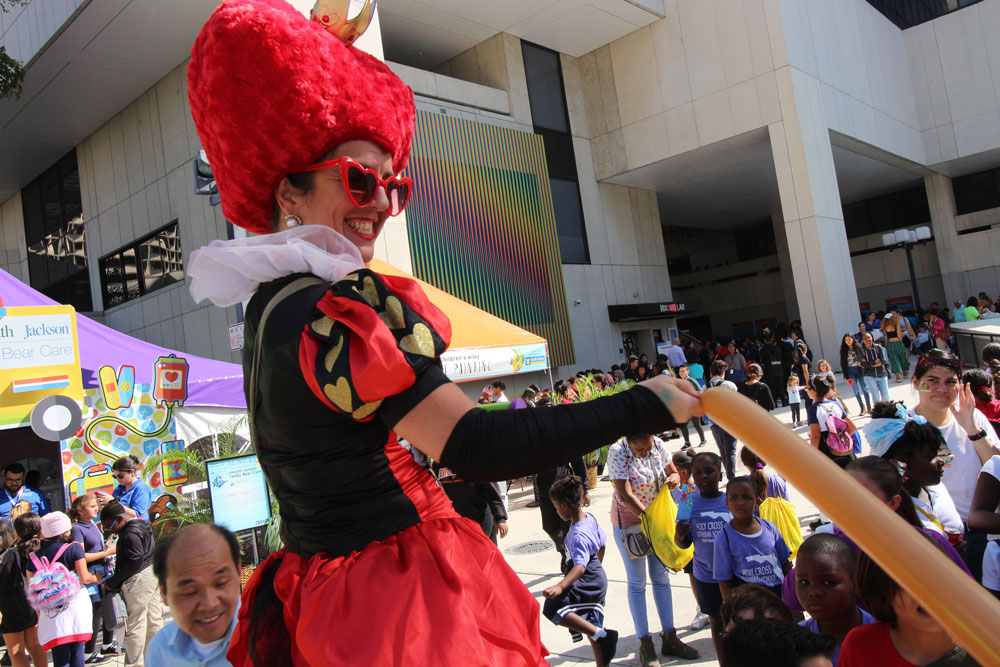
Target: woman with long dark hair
{"x":850,"y":366}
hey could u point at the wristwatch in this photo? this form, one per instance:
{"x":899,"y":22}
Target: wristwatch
{"x":978,"y":436}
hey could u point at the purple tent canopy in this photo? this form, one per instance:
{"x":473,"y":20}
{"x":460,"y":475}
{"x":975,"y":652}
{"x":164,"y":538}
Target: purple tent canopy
{"x":211,"y":383}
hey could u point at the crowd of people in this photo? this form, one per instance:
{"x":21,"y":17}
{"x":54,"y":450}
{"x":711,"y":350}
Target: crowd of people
{"x":87,"y":585}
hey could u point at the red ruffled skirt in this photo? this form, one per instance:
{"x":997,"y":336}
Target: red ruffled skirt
{"x":437,"y":593}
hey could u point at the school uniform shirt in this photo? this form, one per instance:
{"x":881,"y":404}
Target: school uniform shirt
{"x":868,"y":645}
{"x":755,"y":559}
{"x":584,"y":539}
{"x":777,"y":487}
{"x":812,"y":625}
{"x":138,"y":498}
{"x":8,"y":500}
{"x":961,"y":476}
{"x":708,"y":517}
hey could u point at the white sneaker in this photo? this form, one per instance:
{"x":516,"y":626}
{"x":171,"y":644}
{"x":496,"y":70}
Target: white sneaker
{"x":700,"y":620}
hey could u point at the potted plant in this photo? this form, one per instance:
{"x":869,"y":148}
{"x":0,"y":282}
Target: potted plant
{"x":588,"y":390}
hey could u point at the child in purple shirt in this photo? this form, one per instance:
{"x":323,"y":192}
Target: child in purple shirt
{"x":577,"y":601}
{"x":749,"y":550}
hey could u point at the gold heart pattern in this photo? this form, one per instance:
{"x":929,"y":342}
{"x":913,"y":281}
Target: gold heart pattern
{"x":369,"y":292}
{"x":333,"y":365}
{"x":322,"y":326}
{"x":393,"y":313}
{"x":340,"y":394}
{"x":419,"y":342}
{"x":331,"y":356}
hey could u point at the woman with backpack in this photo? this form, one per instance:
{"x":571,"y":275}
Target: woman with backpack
{"x":832,"y":431}
{"x":55,"y":573}
{"x":19,"y":622}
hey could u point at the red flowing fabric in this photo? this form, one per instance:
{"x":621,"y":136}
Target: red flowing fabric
{"x":437,"y":593}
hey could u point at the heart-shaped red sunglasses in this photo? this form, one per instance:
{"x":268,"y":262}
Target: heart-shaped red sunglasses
{"x":361,"y":184}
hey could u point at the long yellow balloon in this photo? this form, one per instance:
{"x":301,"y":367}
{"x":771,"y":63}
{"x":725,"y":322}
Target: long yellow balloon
{"x":968,"y":611}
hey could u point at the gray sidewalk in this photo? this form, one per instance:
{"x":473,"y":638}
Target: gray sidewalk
{"x":541,"y":569}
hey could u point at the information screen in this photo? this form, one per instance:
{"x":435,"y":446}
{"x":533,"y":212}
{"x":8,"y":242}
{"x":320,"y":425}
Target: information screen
{"x":238,"y":493}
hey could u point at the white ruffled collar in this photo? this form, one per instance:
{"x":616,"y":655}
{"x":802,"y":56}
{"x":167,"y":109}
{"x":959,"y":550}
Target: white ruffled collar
{"x":229,"y":272}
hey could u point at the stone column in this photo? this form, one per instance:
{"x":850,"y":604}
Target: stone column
{"x":813,"y":220}
{"x":941,"y":201}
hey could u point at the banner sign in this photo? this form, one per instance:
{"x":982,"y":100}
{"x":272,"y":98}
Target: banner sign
{"x":477,"y":363}
{"x":39,"y":357}
{"x":900,"y":303}
{"x":238,"y":493}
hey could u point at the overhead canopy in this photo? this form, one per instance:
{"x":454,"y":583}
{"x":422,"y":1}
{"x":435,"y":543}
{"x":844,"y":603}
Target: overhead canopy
{"x":972,"y":337}
{"x":210,"y":383}
{"x":482,"y":345}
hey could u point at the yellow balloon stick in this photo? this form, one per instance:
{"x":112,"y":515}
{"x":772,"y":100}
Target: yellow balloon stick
{"x":969,"y":613}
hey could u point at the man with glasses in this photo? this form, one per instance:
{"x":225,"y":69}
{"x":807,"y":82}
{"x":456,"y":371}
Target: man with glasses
{"x":15,"y":492}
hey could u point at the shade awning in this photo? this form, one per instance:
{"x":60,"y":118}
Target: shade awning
{"x":210,"y":383}
{"x":482,"y":344}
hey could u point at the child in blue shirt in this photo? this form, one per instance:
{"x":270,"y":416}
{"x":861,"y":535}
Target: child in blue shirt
{"x":748,"y":550}
{"x":709,"y":515}
{"x":577,"y":602}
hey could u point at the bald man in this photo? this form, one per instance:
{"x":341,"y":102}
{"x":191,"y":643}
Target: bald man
{"x":198,"y":570}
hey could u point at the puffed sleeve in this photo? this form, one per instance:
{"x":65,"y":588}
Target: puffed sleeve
{"x":369,"y":338}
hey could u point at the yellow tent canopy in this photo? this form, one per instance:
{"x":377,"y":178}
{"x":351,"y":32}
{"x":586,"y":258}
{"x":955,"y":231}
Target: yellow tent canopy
{"x":482,"y":345}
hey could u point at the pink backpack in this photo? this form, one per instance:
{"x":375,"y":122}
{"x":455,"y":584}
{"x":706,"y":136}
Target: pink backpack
{"x":52,"y":587}
{"x":838,"y":440}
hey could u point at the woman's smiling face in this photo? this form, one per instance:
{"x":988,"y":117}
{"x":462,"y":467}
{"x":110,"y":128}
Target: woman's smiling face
{"x":328,"y":203}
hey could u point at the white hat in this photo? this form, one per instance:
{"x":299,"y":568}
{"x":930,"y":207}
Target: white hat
{"x":55,"y":524}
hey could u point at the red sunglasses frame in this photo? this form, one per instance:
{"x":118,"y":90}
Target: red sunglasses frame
{"x":345,"y":164}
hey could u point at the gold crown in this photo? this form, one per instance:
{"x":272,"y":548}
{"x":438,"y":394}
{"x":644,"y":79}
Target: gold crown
{"x":332,"y":15}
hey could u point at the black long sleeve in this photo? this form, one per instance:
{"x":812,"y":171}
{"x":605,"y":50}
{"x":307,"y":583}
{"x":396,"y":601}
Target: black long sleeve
{"x":496,"y":445}
{"x":134,"y":552}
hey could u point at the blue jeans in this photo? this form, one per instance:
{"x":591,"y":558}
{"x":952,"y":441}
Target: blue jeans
{"x":859,"y":387}
{"x":635,"y":571}
{"x":878,"y":388}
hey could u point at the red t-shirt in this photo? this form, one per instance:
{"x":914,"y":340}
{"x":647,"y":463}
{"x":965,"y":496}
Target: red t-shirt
{"x":870,"y":645}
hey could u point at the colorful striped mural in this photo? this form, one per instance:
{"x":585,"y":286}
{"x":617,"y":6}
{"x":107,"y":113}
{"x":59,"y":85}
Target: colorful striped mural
{"x":482,"y":226}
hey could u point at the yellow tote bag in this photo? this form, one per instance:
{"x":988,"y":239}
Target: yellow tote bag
{"x":782,"y":514}
{"x":658,"y":523}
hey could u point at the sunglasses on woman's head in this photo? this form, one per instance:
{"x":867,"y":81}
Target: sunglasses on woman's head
{"x":941,"y":361}
{"x":361,"y":184}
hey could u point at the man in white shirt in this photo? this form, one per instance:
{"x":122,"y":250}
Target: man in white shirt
{"x":498,"y":395}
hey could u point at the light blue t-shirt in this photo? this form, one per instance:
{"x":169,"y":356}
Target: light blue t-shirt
{"x":812,"y":625}
{"x":756,"y":559}
{"x":139,"y":498}
{"x":172,"y":647}
{"x":584,"y":539}
{"x":708,"y":516}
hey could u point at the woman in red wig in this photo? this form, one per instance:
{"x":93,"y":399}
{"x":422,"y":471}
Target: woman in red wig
{"x":307,"y":136}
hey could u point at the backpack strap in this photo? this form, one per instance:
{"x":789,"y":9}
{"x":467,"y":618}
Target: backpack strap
{"x":37,"y":563}
{"x":59,"y":553}
{"x":283,"y":293}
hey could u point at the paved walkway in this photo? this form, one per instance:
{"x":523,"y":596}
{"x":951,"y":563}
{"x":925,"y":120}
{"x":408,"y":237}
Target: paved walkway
{"x":540,"y":570}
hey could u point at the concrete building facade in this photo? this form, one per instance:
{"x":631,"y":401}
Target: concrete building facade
{"x":742,"y":158}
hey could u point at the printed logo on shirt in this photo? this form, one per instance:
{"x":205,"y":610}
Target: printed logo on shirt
{"x":709,"y":522}
{"x":769,"y":567}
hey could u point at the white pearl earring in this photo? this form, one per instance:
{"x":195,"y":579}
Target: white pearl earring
{"x":292,"y":220}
